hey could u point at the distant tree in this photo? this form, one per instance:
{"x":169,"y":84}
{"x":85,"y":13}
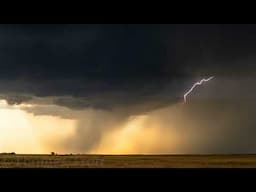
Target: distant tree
{"x":52,"y":153}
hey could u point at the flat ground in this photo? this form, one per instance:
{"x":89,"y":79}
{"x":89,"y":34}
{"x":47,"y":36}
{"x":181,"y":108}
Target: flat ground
{"x":127,"y":161}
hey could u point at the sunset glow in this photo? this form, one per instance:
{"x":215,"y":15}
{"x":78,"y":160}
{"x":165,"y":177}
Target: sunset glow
{"x":22,"y":132}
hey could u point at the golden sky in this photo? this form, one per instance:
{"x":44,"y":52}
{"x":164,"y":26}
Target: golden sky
{"x":24,"y":132}
{"x":194,"y":127}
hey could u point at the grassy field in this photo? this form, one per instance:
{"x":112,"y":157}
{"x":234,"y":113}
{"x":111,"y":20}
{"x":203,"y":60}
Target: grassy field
{"x":127,"y":161}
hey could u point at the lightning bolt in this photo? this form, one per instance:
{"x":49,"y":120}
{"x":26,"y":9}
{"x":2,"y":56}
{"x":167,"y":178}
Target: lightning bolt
{"x":197,"y":83}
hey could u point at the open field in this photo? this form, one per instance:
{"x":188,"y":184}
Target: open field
{"x":127,"y":161}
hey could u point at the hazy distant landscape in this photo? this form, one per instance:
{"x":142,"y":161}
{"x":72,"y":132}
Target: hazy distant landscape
{"x":127,"y":161}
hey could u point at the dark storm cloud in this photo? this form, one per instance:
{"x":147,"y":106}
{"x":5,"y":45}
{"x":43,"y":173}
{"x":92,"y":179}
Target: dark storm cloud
{"x":16,"y":100}
{"x":99,"y":51}
{"x":99,"y":65}
{"x":104,"y":66}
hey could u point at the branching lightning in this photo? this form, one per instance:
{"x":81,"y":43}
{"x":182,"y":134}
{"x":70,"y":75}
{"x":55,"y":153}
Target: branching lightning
{"x":197,"y":83}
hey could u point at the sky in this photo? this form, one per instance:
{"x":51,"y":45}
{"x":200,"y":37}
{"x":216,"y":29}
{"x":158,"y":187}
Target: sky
{"x":118,"y":88}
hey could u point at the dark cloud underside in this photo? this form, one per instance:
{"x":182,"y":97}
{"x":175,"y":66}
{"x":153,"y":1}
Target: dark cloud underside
{"x":107,"y":65}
